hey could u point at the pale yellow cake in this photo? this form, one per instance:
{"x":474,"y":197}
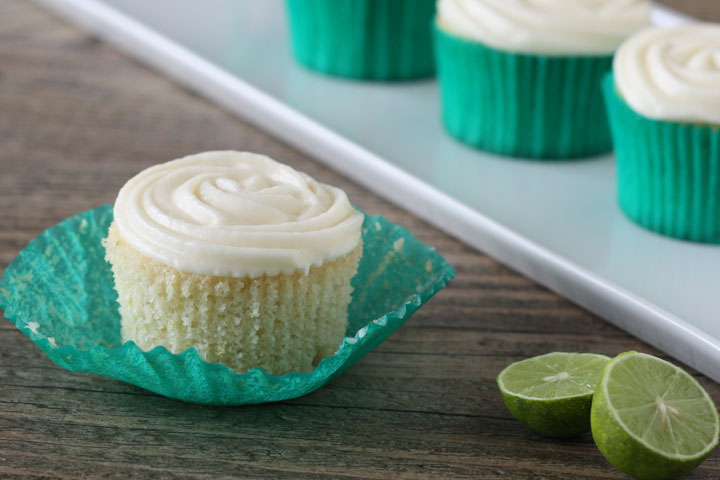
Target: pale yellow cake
{"x":282,"y":312}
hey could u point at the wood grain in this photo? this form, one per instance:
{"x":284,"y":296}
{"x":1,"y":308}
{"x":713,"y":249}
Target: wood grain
{"x":77,"y":119}
{"x":707,"y":10}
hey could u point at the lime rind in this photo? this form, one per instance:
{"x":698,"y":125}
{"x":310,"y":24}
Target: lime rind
{"x":678,"y":372}
{"x":550,"y":410}
{"x":625,"y":449}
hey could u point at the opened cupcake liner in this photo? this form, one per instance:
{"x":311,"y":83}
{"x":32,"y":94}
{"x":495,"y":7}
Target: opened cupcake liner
{"x":522,"y":105}
{"x":668,"y":173}
{"x":59,"y":292}
{"x":364,"y":39}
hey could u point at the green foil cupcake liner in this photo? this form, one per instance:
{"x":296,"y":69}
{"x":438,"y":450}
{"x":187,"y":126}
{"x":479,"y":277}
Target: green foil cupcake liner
{"x":668,"y":173}
{"x":522,"y":105}
{"x":59,"y":292}
{"x":364,"y":39}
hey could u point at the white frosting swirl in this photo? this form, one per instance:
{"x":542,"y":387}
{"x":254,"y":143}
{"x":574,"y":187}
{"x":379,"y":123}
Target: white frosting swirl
{"x":672,"y":73}
{"x":552,"y":27}
{"x":235,"y":214}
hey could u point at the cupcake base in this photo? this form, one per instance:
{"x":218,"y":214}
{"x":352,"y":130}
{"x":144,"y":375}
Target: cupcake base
{"x":668,"y":173}
{"x":364,"y":39}
{"x":280,"y":323}
{"x":522,"y":105}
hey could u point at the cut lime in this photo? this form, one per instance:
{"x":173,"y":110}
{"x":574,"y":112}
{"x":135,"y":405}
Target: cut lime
{"x":652,"y":419}
{"x":552,"y":393}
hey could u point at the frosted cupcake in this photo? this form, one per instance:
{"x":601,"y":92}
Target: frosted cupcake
{"x":236,"y":255}
{"x":364,"y":39}
{"x":522,"y":77}
{"x":664,"y":108}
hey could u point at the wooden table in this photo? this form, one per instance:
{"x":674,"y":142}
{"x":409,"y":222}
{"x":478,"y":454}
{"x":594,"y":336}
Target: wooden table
{"x":77,"y":119}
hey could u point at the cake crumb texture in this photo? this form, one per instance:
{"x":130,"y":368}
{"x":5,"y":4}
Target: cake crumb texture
{"x":281,"y":323}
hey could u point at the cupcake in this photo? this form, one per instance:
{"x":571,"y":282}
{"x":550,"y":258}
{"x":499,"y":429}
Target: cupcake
{"x":522,"y":77}
{"x":663,"y":101}
{"x":238,"y":256}
{"x":364,"y":39}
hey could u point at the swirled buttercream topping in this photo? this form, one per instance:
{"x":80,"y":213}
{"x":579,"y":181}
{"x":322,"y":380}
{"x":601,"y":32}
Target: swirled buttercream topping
{"x":235,"y":214}
{"x":552,"y":27}
{"x":672,"y":73}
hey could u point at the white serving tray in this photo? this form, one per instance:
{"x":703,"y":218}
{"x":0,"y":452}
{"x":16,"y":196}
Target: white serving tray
{"x":557,"y":223}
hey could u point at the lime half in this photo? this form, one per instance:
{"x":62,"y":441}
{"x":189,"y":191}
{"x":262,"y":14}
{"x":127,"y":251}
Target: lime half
{"x":652,"y":419}
{"x":552,"y":393}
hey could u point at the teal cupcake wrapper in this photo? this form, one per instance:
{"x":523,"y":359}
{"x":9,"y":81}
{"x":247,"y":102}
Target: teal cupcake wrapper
{"x":364,"y":39}
{"x":59,"y":292}
{"x":668,"y":173}
{"x":522,"y":105}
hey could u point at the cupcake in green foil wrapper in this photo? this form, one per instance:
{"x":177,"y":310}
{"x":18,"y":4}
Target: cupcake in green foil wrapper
{"x":523,"y":80}
{"x":59,"y":292}
{"x":664,"y":112}
{"x":521,"y":105}
{"x":364,"y":39}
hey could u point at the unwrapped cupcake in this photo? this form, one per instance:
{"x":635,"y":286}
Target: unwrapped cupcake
{"x":364,"y":39}
{"x":663,"y":101}
{"x":522,"y":77}
{"x":239,"y":256}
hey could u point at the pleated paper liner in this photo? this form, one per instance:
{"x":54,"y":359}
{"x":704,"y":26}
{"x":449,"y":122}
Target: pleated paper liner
{"x":522,"y":105}
{"x":668,"y":173}
{"x":364,"y":39}
{"x":59,"y":292}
